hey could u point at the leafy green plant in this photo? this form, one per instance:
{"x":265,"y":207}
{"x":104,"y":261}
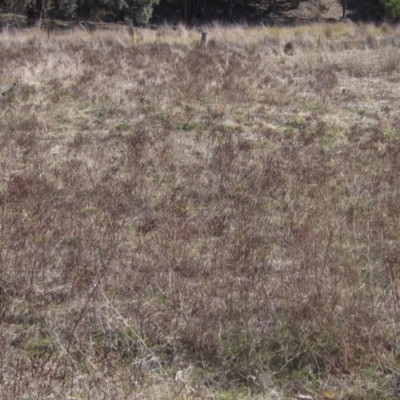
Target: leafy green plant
{"x":298,"y":123}
{"x":39,"y":347}
{"x":188,"y":125}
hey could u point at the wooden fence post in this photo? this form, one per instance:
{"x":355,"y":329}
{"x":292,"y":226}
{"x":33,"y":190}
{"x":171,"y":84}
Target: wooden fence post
{"x":204,"y":38}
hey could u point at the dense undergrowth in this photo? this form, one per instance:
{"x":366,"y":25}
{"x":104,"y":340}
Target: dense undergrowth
{"x":189,"y":222}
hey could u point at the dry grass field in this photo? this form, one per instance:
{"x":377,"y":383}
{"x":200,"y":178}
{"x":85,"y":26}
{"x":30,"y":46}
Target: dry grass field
{"x":181,"y":222}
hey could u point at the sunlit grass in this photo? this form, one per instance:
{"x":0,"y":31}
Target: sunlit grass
{"x":188,"y":221}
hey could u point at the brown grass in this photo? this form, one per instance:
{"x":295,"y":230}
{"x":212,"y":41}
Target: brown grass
{"x":181,"y":222}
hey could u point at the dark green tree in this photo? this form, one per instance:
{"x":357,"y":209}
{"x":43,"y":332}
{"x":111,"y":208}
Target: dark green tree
{"x":140,"y":10}
{"x":392,"y":8}
{"x":193,"y":10}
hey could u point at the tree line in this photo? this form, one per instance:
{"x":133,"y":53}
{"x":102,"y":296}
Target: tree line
{"x":190,"y":12}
